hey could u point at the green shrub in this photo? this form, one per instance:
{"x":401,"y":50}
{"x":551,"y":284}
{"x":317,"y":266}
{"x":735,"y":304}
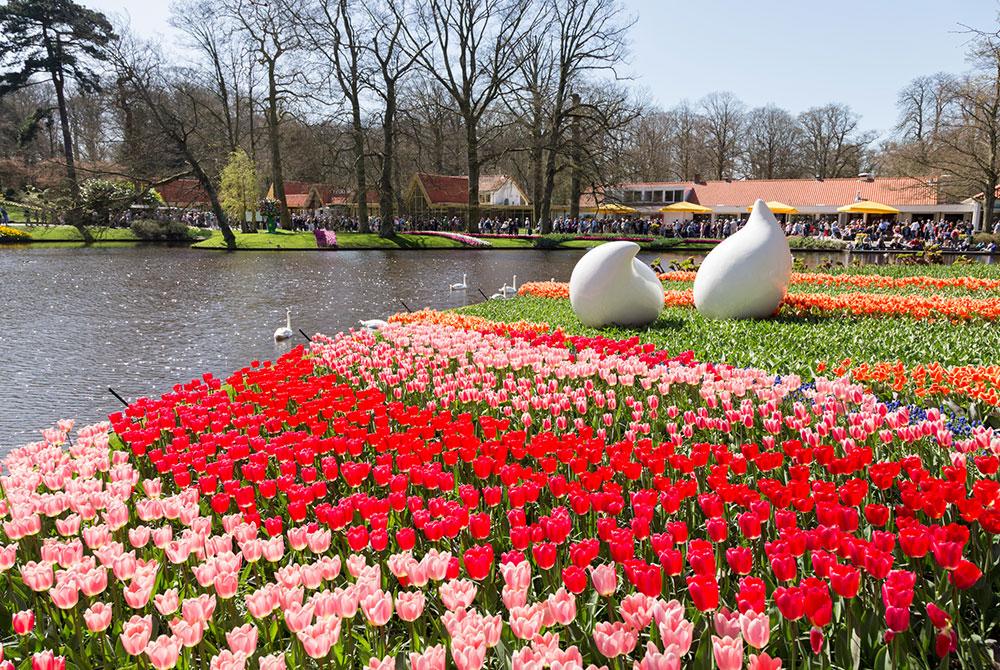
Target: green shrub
{"x":986,"y":238}
{"x":148,"y":229}
{"x":796,"y":242}
{"x":553,"y":240}
{"x":9,"y":235}
{"x":662,"y":244}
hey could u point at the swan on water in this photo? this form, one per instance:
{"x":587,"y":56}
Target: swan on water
{"x":286,"y":332}
{"x":373,"y":324}
{"x":509,"y":290}
{"x":459,"y":287}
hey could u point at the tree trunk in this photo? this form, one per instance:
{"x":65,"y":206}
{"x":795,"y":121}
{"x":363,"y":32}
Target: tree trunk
{"x":74,"y":216}
{"x":990,"y":199}
{"x":576,"y":157}
{"x":537,"y":155}
{"x":277,"y":179}
{"x":359,"y":168}
{"x":213,"y":198}
{"x":385,"y":195}
{"x":472,"y":157}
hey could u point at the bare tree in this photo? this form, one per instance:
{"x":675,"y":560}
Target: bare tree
{"x":393,"y":64}
{"x":723,"y":116}
{"x":271,"y":34}
{"x":589,"y":36}
{"x":224,"y":68}
{"x":922,"y":106}
{"x":772,"y":139}
{"x":475,"y":50}
{"x":176,"y":107}
{"x":833,"y":144}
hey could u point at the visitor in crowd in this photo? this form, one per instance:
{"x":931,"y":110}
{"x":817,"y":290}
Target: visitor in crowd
{"x":4,"y":216}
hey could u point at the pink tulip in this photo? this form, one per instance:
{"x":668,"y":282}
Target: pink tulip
{"x":163,"y":652}
{"x":23,"y":622}
{"x":562,"y":607}
{"x":377,"y":607}
{"x":526,"y":621}
{"x":656,"y":660}
{"x":637,"y":610}
{"x":457,"y":593}
{"x":432,"y":658}
{"x":763,"y":662}
{"x":47,"y":660}
{"x":135,"y":634}
{"x":189,"y":634}
{"x":410,"y":605}
{"x":728,"y":652}
{"x":272,"y":662}
{"x":468,"y":656}
{"x":614,"y":639}
{"x":243,"y":639}
{"x":756,"y":628}
{"x":226,"y":585}
{"x":387,"y":663}
{"x":64,"y":596}
{"x":605,"y":579}
{"x":97,"y":617}
{"x":167,"y":602}
{"x":228,"y":660}
{"x":727,"y":623}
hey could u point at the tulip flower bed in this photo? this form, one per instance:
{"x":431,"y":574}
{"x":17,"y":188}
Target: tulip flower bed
{"x":469,"y":495}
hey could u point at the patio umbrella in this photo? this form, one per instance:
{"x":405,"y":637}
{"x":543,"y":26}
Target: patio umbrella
{"x":778,"y":207}
{"x":868,"y":207}
{"x":690,"y":207}
{"x":613,"y":208}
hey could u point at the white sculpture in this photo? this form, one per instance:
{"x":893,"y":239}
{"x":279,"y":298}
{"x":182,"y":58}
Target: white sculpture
{"x":747,"y":275}
{"x":609,"y":285}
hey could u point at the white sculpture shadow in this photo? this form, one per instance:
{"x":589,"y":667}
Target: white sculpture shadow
{"x":746,"y":276}
{"x":609,"y":285}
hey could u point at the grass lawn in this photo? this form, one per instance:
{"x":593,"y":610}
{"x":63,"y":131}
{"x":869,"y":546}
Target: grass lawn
{"x":15,"y":213}
{"x":62,"y":233}
{"x":284,"y":239}
{"x":793,"y":344}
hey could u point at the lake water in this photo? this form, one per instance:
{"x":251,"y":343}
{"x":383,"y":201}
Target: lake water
{"x":75,"y":321}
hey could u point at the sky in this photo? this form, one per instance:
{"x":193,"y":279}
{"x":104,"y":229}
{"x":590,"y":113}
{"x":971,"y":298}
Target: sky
{"x":793,"y":53}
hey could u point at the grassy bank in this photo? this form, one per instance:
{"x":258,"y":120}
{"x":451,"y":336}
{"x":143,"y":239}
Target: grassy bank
{"x":794,"y":343}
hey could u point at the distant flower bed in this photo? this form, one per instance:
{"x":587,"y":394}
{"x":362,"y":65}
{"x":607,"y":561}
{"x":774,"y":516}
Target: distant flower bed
{"x":325,"y":239}
{"x":928,"y":307}
{"x":10,"y":235}
{"x":467,"y":240}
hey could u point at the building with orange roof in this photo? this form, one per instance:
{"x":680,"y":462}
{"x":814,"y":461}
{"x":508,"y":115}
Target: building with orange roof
{"x":914,"y":197}
{"x":449,"y":195}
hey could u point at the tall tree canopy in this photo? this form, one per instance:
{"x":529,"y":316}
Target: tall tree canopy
{"x":57,"y":40}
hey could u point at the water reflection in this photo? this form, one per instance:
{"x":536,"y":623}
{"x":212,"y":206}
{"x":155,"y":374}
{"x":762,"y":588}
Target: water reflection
{"x":76,"y":321}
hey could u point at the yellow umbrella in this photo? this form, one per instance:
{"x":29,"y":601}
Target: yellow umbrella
{"x":613,"y":208}
{"x":868,"y":207}
{"x":691,"y":207}
{"x":778,"y":207}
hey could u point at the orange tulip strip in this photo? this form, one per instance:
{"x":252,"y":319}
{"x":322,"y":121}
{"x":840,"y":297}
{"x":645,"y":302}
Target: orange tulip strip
{"x":980,"y":383}
{"x":928,"y":307}
{"x":467,"y":322}
{"x":869,"y":281}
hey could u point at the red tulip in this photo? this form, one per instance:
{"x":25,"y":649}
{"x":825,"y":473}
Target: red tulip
{"x":704,"y":592}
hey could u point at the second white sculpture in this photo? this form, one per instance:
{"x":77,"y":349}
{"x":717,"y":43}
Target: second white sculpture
{"x":609,"y":285}
{"x":747,"y":275}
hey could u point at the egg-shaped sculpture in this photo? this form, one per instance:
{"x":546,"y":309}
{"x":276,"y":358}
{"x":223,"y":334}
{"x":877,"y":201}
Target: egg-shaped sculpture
{"x":746,"y":276}
{"x":609,"y":285}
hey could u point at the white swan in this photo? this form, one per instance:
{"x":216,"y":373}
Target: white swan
{"x":286,"y":332}
{"x":746,"y":276}
{"x":373,"y":324}
{"x":459,"y":287}
{"x":609,"y":285}
{"x":510,"y":290}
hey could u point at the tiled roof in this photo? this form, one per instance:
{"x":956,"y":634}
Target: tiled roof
{"x":454,"y":190}
{"x":804,"y":192}
{"x":183,"y":193}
